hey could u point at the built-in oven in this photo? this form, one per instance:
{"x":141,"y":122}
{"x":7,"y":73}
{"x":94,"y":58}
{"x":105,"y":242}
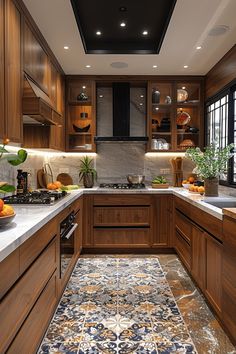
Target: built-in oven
{"x":68,"y":228}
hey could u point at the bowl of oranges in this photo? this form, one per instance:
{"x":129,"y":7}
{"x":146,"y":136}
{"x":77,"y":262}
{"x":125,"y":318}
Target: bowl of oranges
{"x":7,"y":213}
{"x":193,"y":186}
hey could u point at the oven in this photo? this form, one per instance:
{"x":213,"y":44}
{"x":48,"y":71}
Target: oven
{"x":68,"y":228}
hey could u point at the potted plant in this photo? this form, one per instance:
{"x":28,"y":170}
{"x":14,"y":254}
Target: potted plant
{"x":210,"y":164}
{"x":12,"y":159}
{"x":87,"y":173}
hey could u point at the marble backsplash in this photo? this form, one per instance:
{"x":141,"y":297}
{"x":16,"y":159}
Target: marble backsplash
{"x":112,"y":162}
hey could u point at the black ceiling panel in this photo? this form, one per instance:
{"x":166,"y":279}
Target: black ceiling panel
{"x":106,"y":16}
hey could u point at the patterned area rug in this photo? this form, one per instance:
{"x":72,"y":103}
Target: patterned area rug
{"x":117,"y":305}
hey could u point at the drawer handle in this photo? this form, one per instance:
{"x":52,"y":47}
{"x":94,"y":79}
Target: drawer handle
{"x":71,"y":231}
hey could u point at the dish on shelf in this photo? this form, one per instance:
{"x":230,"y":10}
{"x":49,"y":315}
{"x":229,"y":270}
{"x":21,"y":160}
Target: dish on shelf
{"x":182,"y":95}
{"x":182,"y":118}
{"x":181,"y":131}
{"x":186,"y":143}
{"x":81,"y":130}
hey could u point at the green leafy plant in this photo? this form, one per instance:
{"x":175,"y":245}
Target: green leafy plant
{"x":212,"y":162}
{"x":159,"y":180}
{"x":86,"y":168}
{"x":14,"y":160}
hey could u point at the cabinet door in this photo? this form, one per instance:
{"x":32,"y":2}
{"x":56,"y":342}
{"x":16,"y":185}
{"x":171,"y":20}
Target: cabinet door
{"x":213,"y":287}
{"x":198,"y":266}
{"x":162,"y":220}
{"x":87,"y":221}
{"x":2,"y":120}
{"x":36,"y":63}
{"x":57,"y":137}
{"x":53,"y":85}
{"x":13,"y":73}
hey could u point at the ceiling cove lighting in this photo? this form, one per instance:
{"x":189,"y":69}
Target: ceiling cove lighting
{"x":154,"y":66}
{"x":88,"y":66}
{"x":145,"y":33}
{"x":185,"y":66}
{"x":122,"y":24}
{"x":66,"y":47}
{"x":83,"y":87}
{"x":199,"y":47}
{"x":162,"y":154}
{"x":98,"y":33}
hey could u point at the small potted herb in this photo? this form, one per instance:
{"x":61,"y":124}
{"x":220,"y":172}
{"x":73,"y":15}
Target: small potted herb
{"x":210,"y":164}
{"x":159,"y":182}
{"x":87,"y":173}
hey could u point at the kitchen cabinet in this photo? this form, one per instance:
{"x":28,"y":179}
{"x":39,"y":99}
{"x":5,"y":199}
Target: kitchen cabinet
{"x":229,"y":276}
{"x":162,"y":221}
{"x":198,"y":256}
{"x":175,"y":113}
{"x":81,"y":115}
{"x":11,"y":71}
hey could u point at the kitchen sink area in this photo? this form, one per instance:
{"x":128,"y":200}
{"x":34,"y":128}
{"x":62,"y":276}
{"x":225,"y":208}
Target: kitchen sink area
{"x":221,"y":202}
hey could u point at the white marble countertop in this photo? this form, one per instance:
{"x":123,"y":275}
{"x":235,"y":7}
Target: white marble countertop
{"x":30,"y":219}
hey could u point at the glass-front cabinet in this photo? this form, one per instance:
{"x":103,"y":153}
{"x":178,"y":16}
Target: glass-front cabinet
{"x":175,"y":115}
{"x":81,"y":115}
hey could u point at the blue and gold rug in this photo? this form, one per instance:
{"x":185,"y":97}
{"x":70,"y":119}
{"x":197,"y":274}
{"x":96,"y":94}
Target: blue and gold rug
{"x":117,"y":305}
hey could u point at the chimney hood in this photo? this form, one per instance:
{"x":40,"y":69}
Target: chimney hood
{"x":121,"y":116}
{"x":37,"y":105}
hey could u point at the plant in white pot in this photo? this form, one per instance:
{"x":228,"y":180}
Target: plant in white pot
{"x":210,"y":164}
{"x":87,"y":173}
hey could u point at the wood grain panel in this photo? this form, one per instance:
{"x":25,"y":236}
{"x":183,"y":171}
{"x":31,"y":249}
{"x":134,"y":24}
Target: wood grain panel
{"x":183,"y":224}
{"x":17,"y":304}
{"x":213,"y":289}
{"x":182,"y":205}
{"x":198,"y":258}
{"x":228,"y":276}
{"x":87,"y":221}
{"x":162,"y":220}
{"x":31,"y":248}
{"x":28,"y":338}
{"x":9,"y":271}
{"x":207,"y":221}
{"x":2,"y":74}
{"x":121,"y":237}
{"x":183,"y":249}
{"x":122,"y":199}
{"x":116,"y":216}
{"x":221,"y":74}
{"x":13,"y":73}
{"x":36,"y":136}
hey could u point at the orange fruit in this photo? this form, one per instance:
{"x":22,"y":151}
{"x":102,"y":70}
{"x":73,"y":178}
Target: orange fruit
{"x":191,"y":179}
{"x":7,"y":210}
{"x":201,"y":189}
{"x":185,"y":181}
{"x":191,"y":188}
{"x":1,"y":204}
{"x":195,"y":188}
{"x":57,"y":184}
{"x":51,"y":186}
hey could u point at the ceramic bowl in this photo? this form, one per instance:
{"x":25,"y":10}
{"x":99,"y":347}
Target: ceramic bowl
{"x":6,"y":219}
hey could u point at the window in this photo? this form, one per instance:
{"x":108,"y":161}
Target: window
{"x":221,"y":126}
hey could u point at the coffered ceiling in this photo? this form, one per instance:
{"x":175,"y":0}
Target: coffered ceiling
{"x":194,"y":23}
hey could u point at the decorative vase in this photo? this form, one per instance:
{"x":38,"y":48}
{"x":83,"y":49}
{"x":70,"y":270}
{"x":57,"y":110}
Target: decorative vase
{"x":155,"y":96}
{"x":88,"y":180}
{"x":211,"y":187}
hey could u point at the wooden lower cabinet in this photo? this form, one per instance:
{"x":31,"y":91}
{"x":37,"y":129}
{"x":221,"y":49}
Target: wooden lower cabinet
{"x":119,"y":237}
{"x":198,"y":257}
{"x":29,"y":336}
{"x":183,"y":248}
{"x":162,"y":221}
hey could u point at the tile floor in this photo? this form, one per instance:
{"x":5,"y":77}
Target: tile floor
{"x":87,"y":320}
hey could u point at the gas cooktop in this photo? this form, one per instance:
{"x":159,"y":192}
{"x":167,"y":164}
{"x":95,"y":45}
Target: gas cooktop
{"x":123,"y":185}
{"x":36,"y":197}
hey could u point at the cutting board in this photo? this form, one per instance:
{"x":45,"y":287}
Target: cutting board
{"x":65,"y":179}
{"x":41,"y":179}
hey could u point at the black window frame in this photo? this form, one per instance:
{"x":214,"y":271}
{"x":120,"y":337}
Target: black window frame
{"x":229,"y":90}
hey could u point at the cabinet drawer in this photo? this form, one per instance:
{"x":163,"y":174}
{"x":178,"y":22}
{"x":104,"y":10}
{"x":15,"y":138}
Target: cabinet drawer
{"x":30,"y":249}
{"x":208,"y":222}
{"x":19,"y":301}
{"x":9,"y":272}
{"x":183,"y":249}
{"x":121,"y":237}
{"x":121,"y":216}
{"x":121,"y":199}
{"x":183,"y":225}
{"x":30,"y":334}
{"x":182,"y":205}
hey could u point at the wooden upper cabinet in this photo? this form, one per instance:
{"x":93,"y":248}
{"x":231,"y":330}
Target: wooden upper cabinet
{"x":2,"y":120}
{"x":36,"y":62}
{"x":53,"y":85}
{"x":13,"y":72}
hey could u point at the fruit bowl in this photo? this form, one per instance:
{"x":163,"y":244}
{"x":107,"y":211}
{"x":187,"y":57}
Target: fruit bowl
{"x":6,"y":219}
{"x":186,"y":185}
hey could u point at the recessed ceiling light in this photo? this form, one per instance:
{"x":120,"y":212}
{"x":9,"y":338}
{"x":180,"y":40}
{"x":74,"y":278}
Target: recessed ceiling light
{"x":122,"y":24}
{"x":185,"y":66}
{"x":156,"y":108}
{"x":66,"y":47}
{"x":218,"y":30}
{"x":101,"y":96}
{"x":88,"y":66}
{"x":183,"y":88}
{"x":141,"y":96}
{"x":154,"y":66}
{"x":98,"y":33}
{"x":140,"y":103}
{"x":198,"y":47}
{"x":84,"y":87}
{"x":145,"y":33}
{"x":119,"y":65}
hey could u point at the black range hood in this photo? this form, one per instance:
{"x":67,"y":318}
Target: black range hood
{"x":121,"y":116}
